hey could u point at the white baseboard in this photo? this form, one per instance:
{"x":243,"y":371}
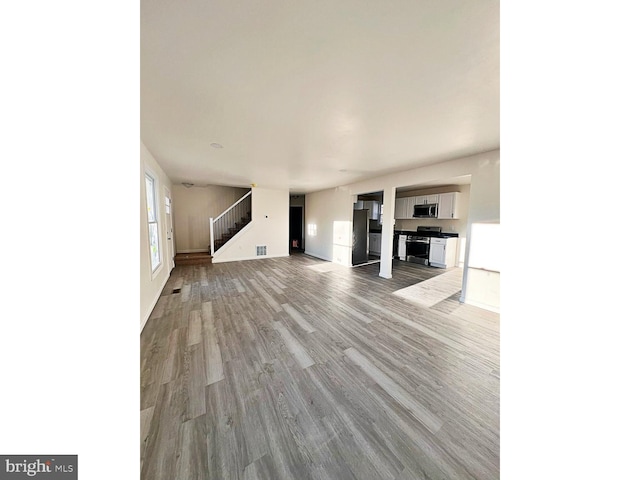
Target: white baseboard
{"x":315,"y":255}
{"x":153,"y":304}
{"x":261,"y":257}
{"x":484,"y":306}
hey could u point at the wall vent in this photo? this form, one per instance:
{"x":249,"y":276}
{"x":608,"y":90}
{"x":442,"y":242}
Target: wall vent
{"x":261,"y":250}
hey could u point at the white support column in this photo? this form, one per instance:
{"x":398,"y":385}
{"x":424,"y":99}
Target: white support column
{"x":388,"y":224}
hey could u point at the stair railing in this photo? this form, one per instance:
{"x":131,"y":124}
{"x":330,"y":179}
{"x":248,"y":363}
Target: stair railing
{"x":224,"y":226}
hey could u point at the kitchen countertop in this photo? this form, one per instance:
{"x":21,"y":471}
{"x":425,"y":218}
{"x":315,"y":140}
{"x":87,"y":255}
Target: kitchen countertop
{"x":424,"y":234}
{"x":427,"y":234}
{"x":445,"y":235}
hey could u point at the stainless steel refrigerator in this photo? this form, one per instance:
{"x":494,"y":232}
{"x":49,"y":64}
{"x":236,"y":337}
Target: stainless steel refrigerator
{"x":360,"y":250}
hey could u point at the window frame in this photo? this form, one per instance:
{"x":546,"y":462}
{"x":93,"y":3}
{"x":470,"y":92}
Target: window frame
{"x":149,"y":176}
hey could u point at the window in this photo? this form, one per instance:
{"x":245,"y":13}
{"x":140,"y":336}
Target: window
{"x":152,"y":219}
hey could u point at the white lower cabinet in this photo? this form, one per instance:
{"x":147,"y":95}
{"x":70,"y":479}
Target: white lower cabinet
{"x":442,"y":252}
{"x":375,"y":243}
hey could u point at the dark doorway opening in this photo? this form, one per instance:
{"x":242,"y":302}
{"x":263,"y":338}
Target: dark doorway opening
{"x":295,"y":229}
{"x":360,"y":249}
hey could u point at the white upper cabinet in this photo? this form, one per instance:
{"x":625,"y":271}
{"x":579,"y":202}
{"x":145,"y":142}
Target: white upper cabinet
{"x":404,"y":207}
{"x":408,"y":203}
{"x":372,"y":206}
{"x":400,"y":208}
{"x":411,"y":202}
{"x":374,"y":209}
{"x":448,"y":205}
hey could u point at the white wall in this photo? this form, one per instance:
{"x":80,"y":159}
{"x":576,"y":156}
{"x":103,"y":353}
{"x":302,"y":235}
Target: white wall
{"x":328,"y":230}
{"x":151,"y":285}
{"x":269,"y":226}
{"x":192,"y":208}
{"x":484,"y":265}
{"x":334,"y":205}
{"x":481,"y":287}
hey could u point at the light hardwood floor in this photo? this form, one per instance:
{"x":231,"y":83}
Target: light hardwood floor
{"x":272,"y":369}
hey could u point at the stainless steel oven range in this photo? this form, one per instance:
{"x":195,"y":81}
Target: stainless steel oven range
{"x":418,"y":244}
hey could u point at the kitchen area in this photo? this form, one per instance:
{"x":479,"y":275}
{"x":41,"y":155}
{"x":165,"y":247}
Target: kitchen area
{"x":429,"y":225}
{"x":427,"y":246}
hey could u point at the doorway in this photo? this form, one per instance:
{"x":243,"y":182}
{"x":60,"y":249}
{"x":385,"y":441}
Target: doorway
{"x":168,"y":207}
{"x":296,"y":229}
{"x":367,"y":228}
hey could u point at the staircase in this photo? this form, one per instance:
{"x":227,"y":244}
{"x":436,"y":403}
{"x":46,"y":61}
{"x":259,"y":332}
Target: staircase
{"x":231,"y":232}
{"x":229,"y":223}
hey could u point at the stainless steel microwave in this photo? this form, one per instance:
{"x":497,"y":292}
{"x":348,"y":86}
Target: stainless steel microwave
{"x":429,"y":210}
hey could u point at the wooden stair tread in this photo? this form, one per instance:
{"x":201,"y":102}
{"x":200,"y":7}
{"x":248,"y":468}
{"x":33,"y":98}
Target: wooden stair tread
{"x":195,"y":258}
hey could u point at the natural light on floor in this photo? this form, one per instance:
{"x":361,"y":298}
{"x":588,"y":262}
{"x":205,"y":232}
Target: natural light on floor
{"x":433,"y":290}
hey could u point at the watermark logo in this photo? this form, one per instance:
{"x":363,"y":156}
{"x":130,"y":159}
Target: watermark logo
{"x":45,"y":467}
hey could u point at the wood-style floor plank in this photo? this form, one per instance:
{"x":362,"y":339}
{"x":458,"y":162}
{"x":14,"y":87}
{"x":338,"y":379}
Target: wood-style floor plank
{"x":297,"y":316}
{"x":293,"y":368}
{"x":294,"y":346}
{"x":212,"y":355}
{"x":194,"y":334}
{"x":428,"y":419}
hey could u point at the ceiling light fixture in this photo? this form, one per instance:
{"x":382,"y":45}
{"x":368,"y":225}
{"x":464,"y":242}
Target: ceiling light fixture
{"x":187,"y":184}
{"x":216,"y":145}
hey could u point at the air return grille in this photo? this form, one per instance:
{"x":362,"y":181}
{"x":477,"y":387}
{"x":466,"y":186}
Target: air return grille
{"x":261,"y":250}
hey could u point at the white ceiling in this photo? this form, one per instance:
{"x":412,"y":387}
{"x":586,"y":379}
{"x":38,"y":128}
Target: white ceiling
{"x":306,"y":95}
